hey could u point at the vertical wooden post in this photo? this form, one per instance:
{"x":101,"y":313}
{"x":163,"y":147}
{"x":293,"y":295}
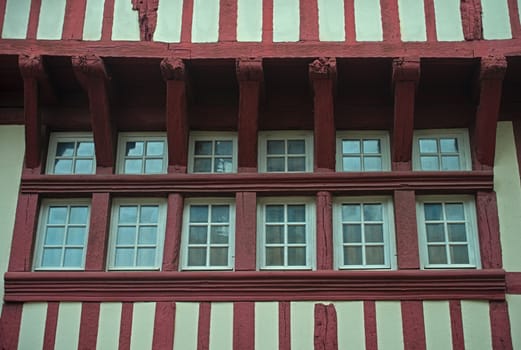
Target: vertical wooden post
{"x":488,"y":228}
{"x":406,"y":230}
{"x":25,"y":224}
{"x":98,"y":232}
{"x":174,"y":222}
{"x":324,"y":231}
{"x":245,"y":231}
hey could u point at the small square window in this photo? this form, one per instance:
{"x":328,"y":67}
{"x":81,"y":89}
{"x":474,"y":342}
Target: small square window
{"x":364,"y":233}
{"x":71,"y":153}
{"x":208,"y":234}
{"x":286,"y":233}
{"x":144,"y":153}
{"x":362,"y":151}
{"x":62,"y":235}
{"x":213,"y":152}
{"x":441,"y":150}
{"x":137,"y":234}
{"x":285,"y":151}
{"x":448,"y":232}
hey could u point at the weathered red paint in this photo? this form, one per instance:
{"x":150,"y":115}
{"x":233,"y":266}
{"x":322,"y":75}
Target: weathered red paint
{"x":267,"y":23}
{"x":284,"y":325}
{"x":164,"y":324}
{"x":245,"y":229}
{"x":430,"y":20}
{"x":147,"y":12}
{"x":125,"y":326}
{"x":349,"y":18}
{"x":24,"y":228}
{"x":227,"y":20}
{"x":89,"y":325}
{"x":34,"y":18}
{"x":324,"y":234}
{"x":456,"y":325}
{"x":390,"y":20}
{"x":413,"y":325}
{"x":98,"y":232}
{"x":371,"y":336}
{"x":203,"y":326}
{"x":243,"y":325}
{"x":513,"y":280}
{"x":406,"y":230}
{"x":10,"y":324}
{"x":471,"y":19}
{"x":174,"y":222}
{"x":325,"y":334}
{"x":186,"y":29}
{"x":51,"y":321}
{"x":488,"y":228}
{"x":73,"y":20}
{"x":108,"y":20}
{"x":500,"y":325}
{"x":515,"y":24}
{"x":308,"y":20}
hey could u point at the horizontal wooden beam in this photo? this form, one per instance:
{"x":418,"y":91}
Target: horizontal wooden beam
{"x":255,"y":285}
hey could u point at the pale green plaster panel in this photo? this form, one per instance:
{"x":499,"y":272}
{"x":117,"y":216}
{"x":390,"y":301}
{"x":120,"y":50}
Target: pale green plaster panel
{"x":169,"y":19}
{"x":126,"y":22}
{"x":205,"y":21}
{"x":249,"y":20}
{"x":368,"y":20}
{"x":331,"y":23}
{"x":438,"y":333}
{"x":496,"y":21}
{"x":476,"y":324}
{"x":508,"y":192}
{"x":389,"y":325}
{"x":351,"y":330}
{"x":32,"y":327}
{"x":286,"y":20}
{"x":143,"y":317}
{"x":186,"y":325}
{"x":266,"y":325}
{"x":412,"y":20}
{"x":16,"y":19}
{"x":68,"y":326}
{"x":50,"y":23}
{"x":302,"y":316}
{"x":448,"y":20}
{"x":221,"y":326}
{"x":12,"y":148}
{"x":93,"y":23}
{"x":514,"y":312}
{"x":108,"y":326}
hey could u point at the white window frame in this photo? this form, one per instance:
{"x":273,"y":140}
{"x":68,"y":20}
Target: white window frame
{"x":211,"y":137}
{"x":309,"y":203}
{"x":265,"y":136}
{"x":75,"y":137}
{"x":471,"y":231}
{"x":461,"y":135}
{"x":125,"y":137}
{"x":382,"y":136}
{"x":388,"y":232}
{"x":161,"y":226}
{"x":42,"y":225}
{"x":186,"y":225}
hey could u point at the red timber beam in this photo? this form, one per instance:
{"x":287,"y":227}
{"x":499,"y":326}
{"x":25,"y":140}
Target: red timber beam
{"x":323,"y":74}
{"x":491,"y":83}
{"x":37,"y":87}
{"x":147,"y":12}
{"x":471,"y":19}
{"x":92,"y":74}
{"x":175,"y":75}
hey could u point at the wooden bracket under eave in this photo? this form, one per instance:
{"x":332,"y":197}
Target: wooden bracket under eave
{"x":92,"y":74}
{"x":406,"y":76}
{"x":492,"y":72}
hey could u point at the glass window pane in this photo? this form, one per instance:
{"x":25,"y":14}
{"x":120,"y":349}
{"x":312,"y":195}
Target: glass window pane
{"x":275,"y":164}
{"x":73,"y":257}
{"x":352,"y":256}
{"x":57,"y":215}
{"x":371,"y":146}
{"x":63,"y":166}
{"x":297,"y":234}
{"x":276,"y":147}
{"x":126,"y":235}
{"x":51,"y":257}
{"x":219,"y":234}
{"x":85,"y":149}
{"x":296,"y":147}
{"x":65,"y":149}
{"x":374,"y":255}
{"x":133,"y":166}
{"x":372,"y":163}
{"x":351,"y":212}
{"x":450,"y":163}
{"x":198,"y":213}
{"x":296,"y":256}
{"x":459,"y":254}
{"x":203,"y":148}
{"x":351,"y":146}
{"x":437,"y":254}
{"x":134,"y":148}
{"x":352,"y":233}
{"x":429,"y":163}
{"x":124,"y":257}
{"x":54,"y":236}
{"x":448,"y":145}
{"x":196,"y":256}
{"x":296,"y":163}
{"x":223,"y":148}
{"x":372,"y":212}
{"x":203,"y":165}
{"x":197,"y":235}
{"x":296,"y":213}
{"x":155,"y":148}
{"x":75,"y":236}
{"x":127,"y":214}
{"x":220,"y":213}
{"x":274,"y":213}
{"x":153,"y":166}
{"x":274,"y":256}
{"x":433,"y":211}
{"x":147,"y":235}
{"x":78,"y":215}
{"x":351,"y":164}
{"x":219,"y":256}
{"x":274,"y":234}
{"x":146,"y":257}
{"x":455,"y":211}
{"x":428,"y":146}
{"x":374,"y":233}
{"x":435,"y":233}
{"x":223,"y":165}
{"x":83,"y":166}
{"x":149,"y":214}
{"x":457,"y":232}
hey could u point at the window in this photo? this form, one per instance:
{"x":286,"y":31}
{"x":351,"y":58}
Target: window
{"x":441,"y":150}
{"x":208,"y":234}
{"x":448,"y":232}
{"x":285,"y":151}
{"x":286,"y":233}
{"x":144,"y":153}
{"x":137,"y":234}
{"x":62,"y":235}
{"x":364,"y":234}
{"x":71,"y":153}
{"x":362,"y":151}
{"x":213,"y":152}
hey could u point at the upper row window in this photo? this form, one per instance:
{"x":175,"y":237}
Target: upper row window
{"x":279,"y":151}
